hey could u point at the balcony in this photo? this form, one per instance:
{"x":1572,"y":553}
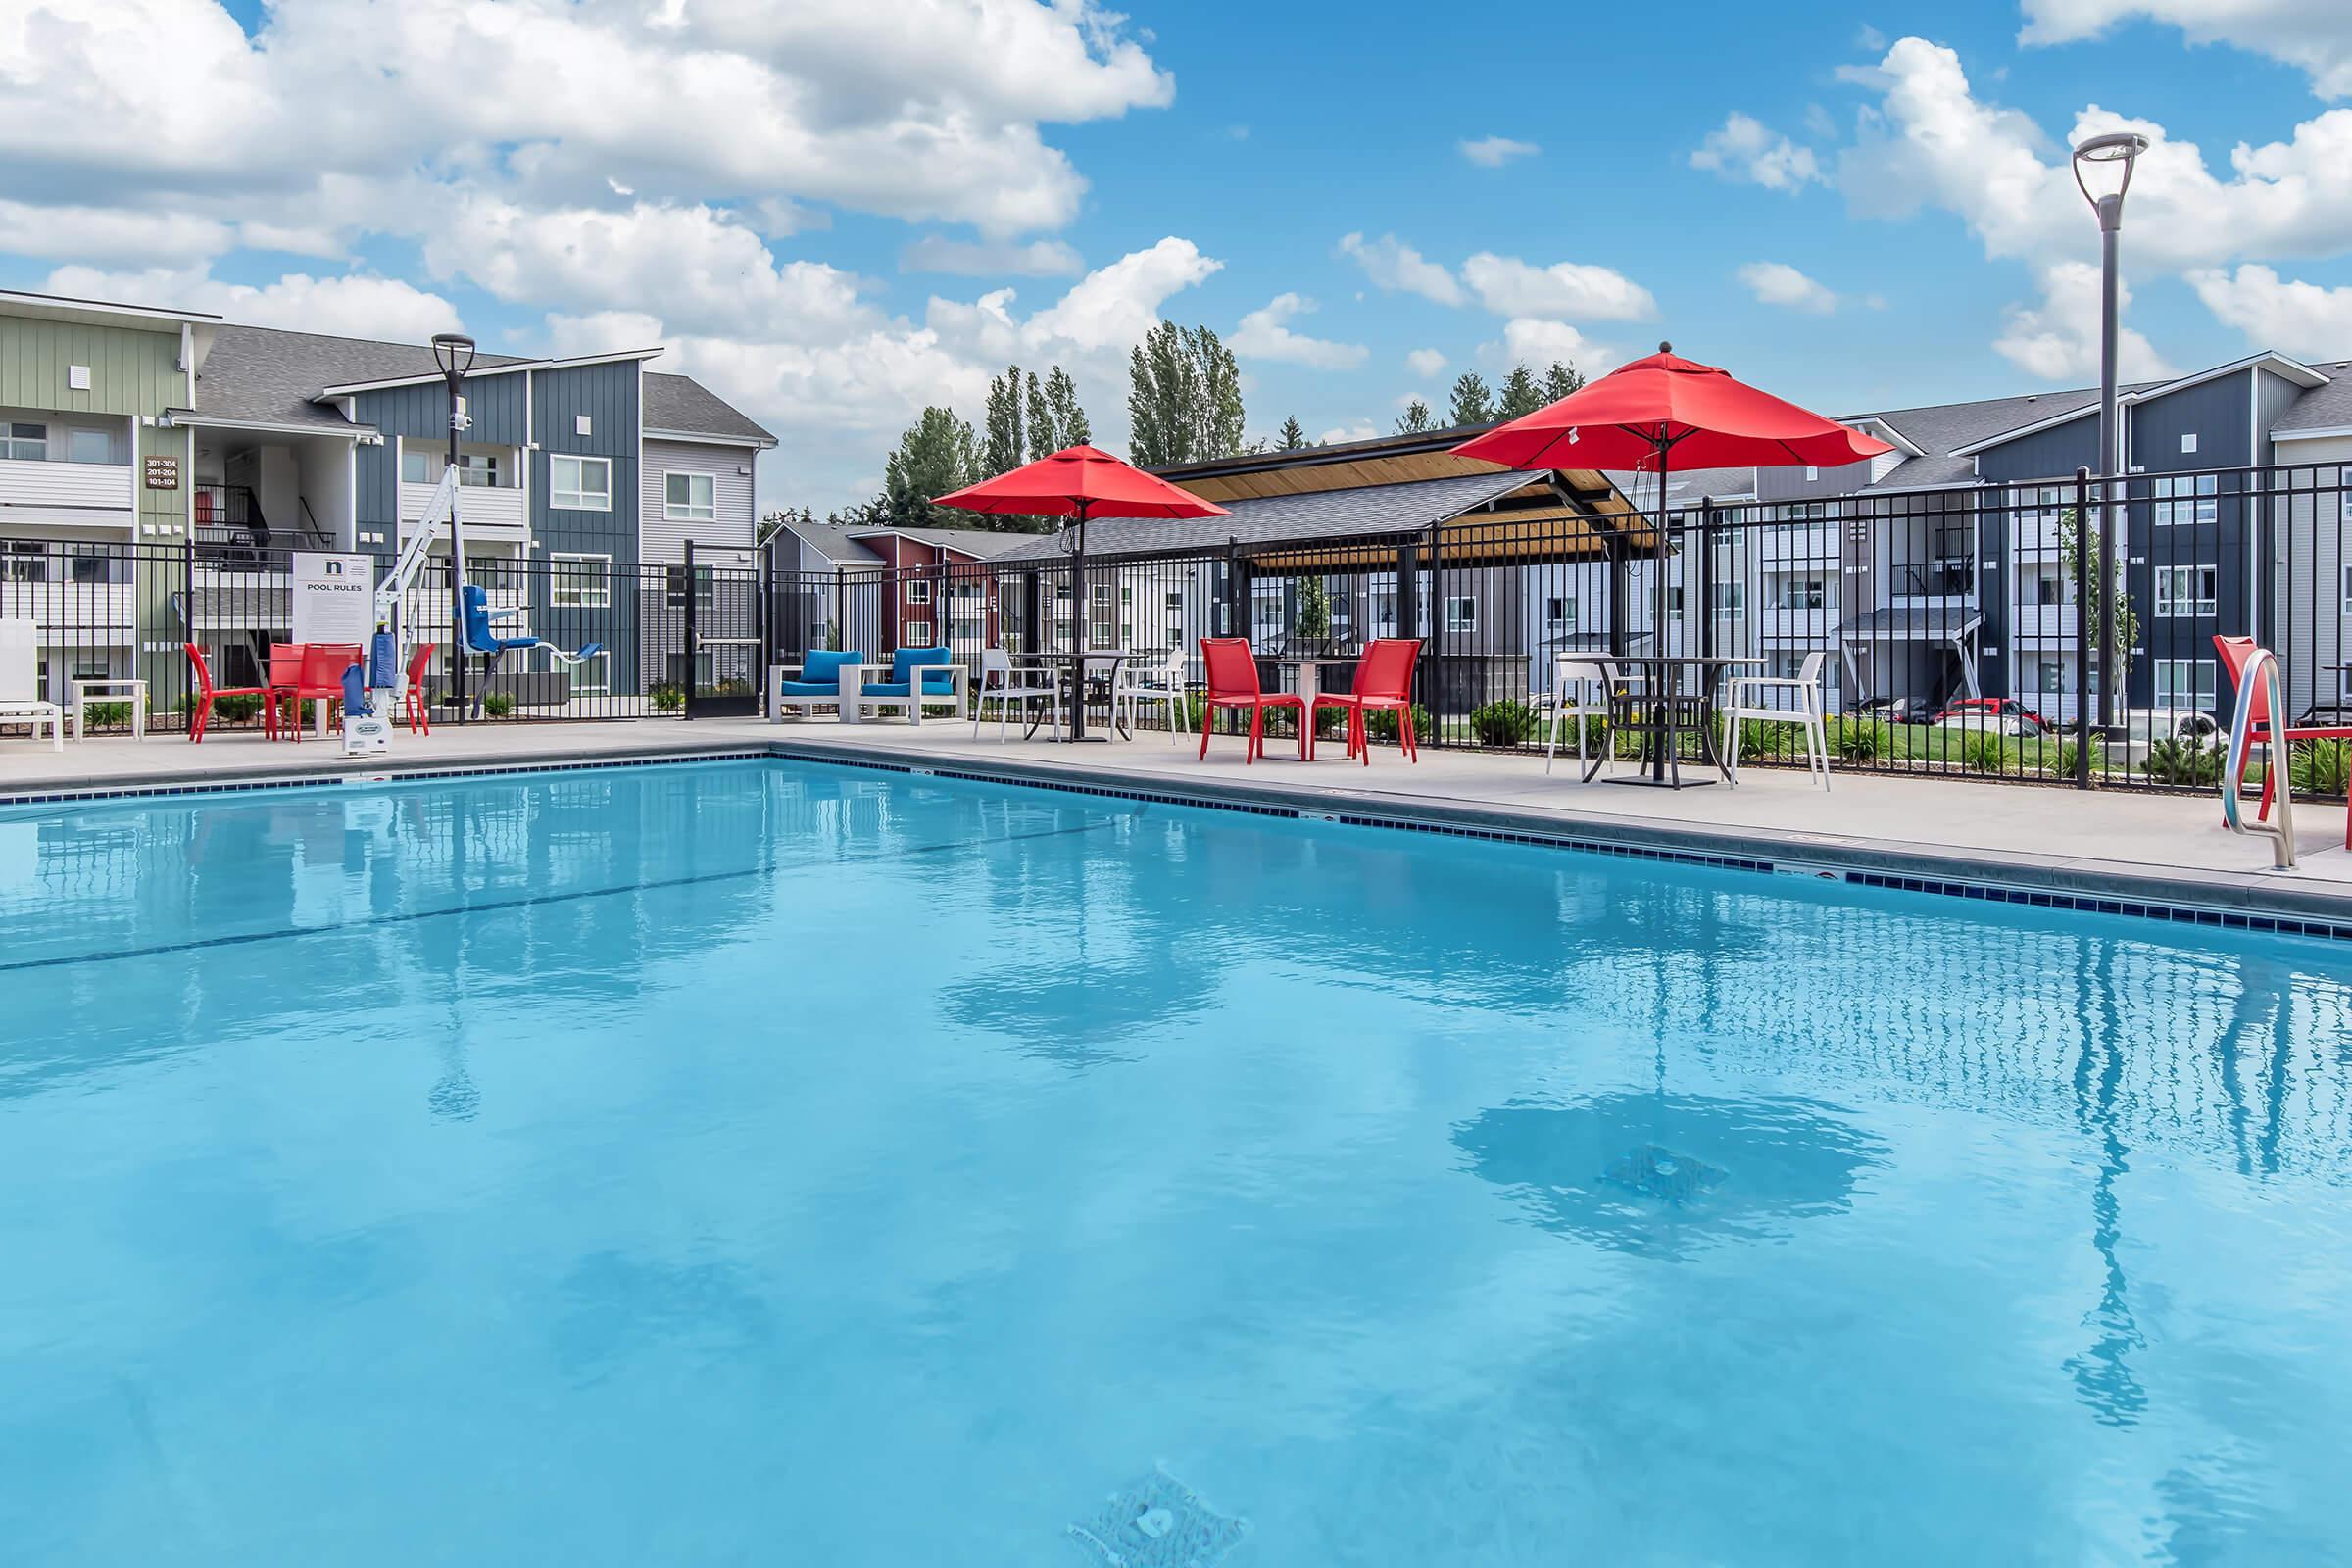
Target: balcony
{"x":490,"y":512}
{"x":52,"y":493}
{"x":78,"y":598}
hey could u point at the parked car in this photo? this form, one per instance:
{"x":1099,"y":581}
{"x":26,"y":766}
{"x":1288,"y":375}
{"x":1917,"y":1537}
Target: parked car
{"x":1894,"y":709}
{"x":2005,"y":716}
{"x":2182,"y":723}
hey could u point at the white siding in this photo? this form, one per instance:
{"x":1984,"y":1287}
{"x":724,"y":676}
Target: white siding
{"x":730,"y":467}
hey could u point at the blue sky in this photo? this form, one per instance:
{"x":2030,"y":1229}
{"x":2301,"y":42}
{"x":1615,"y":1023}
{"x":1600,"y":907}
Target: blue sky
{"x":1884,"y":217}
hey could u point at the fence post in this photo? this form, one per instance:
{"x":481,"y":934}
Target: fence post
{"x":456,"y":643}
{"x":1704,"y":610}
{"x":693,"y":642}
{"x":763,"y":623}
{"x":2082,"y":565}
{"x":1436,"y":642}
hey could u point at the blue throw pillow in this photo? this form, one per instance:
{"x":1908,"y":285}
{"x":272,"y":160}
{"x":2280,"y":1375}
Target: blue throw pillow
{"x":824,"y":667}
{"x":905,"y":662}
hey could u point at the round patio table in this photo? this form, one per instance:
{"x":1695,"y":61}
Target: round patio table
{"x":1307,"y":679}
{"x":1661,"y":712}
{"x":1102,"y":669}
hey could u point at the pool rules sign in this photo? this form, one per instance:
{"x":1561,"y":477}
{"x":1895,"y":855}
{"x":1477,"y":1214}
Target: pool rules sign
{"x":334,"y":598}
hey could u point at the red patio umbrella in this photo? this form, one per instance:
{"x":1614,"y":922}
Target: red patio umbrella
{"x":1079,"y":482}
{"x":1656,"y":411}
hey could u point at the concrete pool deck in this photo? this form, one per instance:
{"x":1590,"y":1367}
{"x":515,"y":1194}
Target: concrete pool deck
{"x":2108,"y":843}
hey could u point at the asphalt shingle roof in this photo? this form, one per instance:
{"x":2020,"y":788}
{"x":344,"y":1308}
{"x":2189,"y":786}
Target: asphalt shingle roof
{"x":834,"y":543}
{"x":2323,"y":408}
{"x":1282,"y":520}
{"x":261,"y":373}
{"x":681,"y":403}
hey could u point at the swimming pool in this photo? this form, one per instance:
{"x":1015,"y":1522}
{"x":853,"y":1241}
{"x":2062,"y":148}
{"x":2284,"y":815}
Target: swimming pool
{"x":763,"y":1163}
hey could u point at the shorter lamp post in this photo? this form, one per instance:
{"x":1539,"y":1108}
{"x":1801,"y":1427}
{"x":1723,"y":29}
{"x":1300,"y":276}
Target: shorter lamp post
{"x":2103,"y":173}
{"x":453,"y":352}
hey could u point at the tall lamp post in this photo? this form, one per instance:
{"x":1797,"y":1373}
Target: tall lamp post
{"x":453,"y":352}
{"x":2103,"y":173}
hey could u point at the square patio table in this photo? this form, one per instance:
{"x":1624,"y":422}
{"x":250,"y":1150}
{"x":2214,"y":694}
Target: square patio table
{"x":1662,"y":712}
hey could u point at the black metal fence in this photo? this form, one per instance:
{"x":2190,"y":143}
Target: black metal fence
{"x":1942,"y":632}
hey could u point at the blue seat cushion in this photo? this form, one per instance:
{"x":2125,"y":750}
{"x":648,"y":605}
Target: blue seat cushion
{"x":933,"y":661}
{"x":821,"y":670}
{"x":808,"y":688}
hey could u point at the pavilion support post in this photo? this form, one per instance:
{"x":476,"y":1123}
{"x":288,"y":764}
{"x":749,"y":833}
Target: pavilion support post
{"x":1409,"y":610}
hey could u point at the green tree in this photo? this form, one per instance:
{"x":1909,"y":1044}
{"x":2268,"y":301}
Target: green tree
{"x":938,"y":453}
{"x":1472,"y":404}
{"x":1415,"y":419}
{"x":1520,"y":394}
{"x":2084,"y":553}
{"x":1008,"y":445}
{"x":1314,"y":610}
{"x":1064,"y":417}
{"x":1291,"y":437}
{"x":1560,"y":381}
{"x":1184,"y":398}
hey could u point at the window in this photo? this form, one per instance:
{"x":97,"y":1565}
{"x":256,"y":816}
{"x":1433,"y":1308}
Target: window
{"x":1674,"y":603}
{"x":919,"y":591}
{"x":579,"y":582}
{"x":918,"y":634}
{"x":2184,"y":683}
{"x":85,"y":445}
{"x":579,"y":484}
{"x":1731,"y":600}
{"x":590,"y":677}
{"x":1461,"y":614}
{"x":2184,"y":590}
{"x":1560,"y":614}
{"x":416,"y":465}
{"x":1102,"y":622}
{"x":25,"y":441}
{"x":1804,"y":592}
{"x":2049,"y":679}
{"x":2049,"y":586}
{"x":2348,"y":604}
{"x":90,"y":566}
{"x":690,"y":498}
{"x":2185,"y":498}
{"x":423,"y":465}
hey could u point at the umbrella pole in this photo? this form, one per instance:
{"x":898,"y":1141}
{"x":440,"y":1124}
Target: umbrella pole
{"x":1080,"y":610}
{"x":1665,"y":690}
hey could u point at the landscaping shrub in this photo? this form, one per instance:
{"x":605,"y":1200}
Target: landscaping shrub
{"x":2174,"y":760}
{"x":2058,"y":756}
{"x":1770,"y":740}
{"x":1860,"y":740}
{"x":2316,"y":767}
{"x":669,"y":697}
{"x":226,"y":710}
{"x":498,"y":705}
{"x":105,"y":716}
{"x":1986,"y":752}
{"x":1380,"y":725}
{"x":1509,"y":722}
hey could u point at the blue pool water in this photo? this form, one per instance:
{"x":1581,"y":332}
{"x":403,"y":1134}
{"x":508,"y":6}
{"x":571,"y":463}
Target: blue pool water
{"x":747,"y":1163}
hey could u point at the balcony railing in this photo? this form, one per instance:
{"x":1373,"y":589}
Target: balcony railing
{"x":480,"y":508}
{"x":69,"y":487}
{"x":231,"y":532}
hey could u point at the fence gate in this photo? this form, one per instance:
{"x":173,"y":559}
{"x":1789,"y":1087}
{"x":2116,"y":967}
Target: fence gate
{"x":724,"y":616}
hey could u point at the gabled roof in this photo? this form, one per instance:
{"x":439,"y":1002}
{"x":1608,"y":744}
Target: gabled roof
{"x":483,"y":365}
{"x":679,"y":405}
{"x":835,"y":543}
{"x":984,"y":543}
{"x":260,"y":374}
{"x":2323,"y":408}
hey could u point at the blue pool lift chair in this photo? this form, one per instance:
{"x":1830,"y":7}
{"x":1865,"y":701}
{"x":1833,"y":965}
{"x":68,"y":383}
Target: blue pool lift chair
{"x":482,"y":638}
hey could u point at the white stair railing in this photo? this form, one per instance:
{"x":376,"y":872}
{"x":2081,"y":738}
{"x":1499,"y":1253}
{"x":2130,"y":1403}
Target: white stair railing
{"x":2260,"y":674}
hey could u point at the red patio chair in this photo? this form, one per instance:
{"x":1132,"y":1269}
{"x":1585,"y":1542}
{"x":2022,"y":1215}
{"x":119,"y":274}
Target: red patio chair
{"x":1233,"y":683}
{"x":285,"y":677}
{"x":418,"y":713}
{"x":322,"y":680}
{"x":206,"y":691}
{"x":1384,"y":681}
{"x":2234,"y":652}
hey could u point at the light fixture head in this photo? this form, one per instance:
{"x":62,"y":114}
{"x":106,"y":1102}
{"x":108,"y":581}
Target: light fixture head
{"x":2103,"y":171}
{"x":454,"y":353}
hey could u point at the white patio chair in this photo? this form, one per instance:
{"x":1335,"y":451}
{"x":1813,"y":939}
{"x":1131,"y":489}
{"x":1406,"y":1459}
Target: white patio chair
{"x":1752,"y":697}
{"x":1005,"y":684}
{"x":21,"y":700}
{"x":1141,"y":685}
{"x":1580,"y":690}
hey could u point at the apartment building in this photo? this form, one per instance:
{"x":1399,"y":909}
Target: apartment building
{"x":580,"y":476}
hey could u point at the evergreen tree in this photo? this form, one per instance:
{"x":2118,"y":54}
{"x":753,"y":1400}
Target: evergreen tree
{"x":1041,"y":422}
{"x":1291,"y":437}
{"x":1519,"y":395}
{"x":1560,"y":381}
{"x":1472,"y":404}
{"x":1184,"y":397}
{"x":937,"y":455}
{"x":1415,"y":419}
{"x":1006,"y":448}
{"x":1063,"y":412}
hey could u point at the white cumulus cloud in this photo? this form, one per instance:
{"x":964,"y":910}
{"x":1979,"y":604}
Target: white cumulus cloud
{"x":2057,"y":340}
{"x":1042,"y":258}
{"x":1425,"y":363}
{"x":2313,"y":35}
{"x":1509,"y":286}
{"x":355,"y":305}
{"x":2273,"y":312}
{"x":1747,"y":151}
{"x":1779,"y":283}
{"x":1492,"y":152}
{"x":1394,"y":265}
{"x":1265,"y":334}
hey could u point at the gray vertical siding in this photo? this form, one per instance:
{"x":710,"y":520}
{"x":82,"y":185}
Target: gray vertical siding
{"x":609,"y":395}
{"x":2052,"y":454}
{"x":730,"y":470}
{"x":420,"y":415}
{"x":2220,"y":413}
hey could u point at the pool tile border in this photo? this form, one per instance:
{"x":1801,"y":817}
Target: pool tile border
{"x":2178,"y":913}
{"x":1985,"y":892}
